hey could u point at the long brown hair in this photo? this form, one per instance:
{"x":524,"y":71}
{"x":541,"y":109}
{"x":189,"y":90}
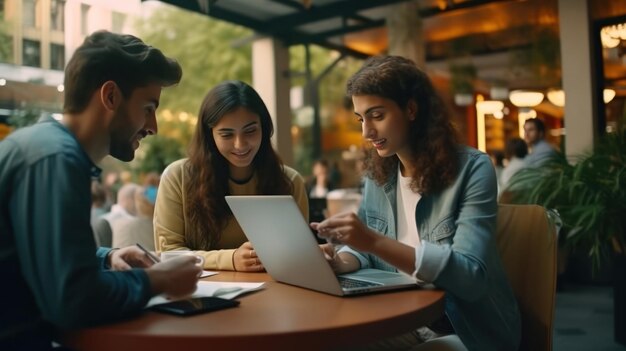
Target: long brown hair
{"x":433,"y":139}
{"x":208,"y":170}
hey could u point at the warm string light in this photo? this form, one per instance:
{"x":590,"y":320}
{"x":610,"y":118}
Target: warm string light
{"x":608,"y":95}
{"x":611,"y":36}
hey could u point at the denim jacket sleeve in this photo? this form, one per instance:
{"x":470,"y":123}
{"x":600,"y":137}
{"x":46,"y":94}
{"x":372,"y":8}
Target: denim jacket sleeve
{"x":469,"y":252}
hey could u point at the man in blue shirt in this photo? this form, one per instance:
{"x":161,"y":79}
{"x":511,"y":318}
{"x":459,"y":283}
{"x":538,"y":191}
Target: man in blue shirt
{"x":534,"y":136}
{"x":51,"y":278}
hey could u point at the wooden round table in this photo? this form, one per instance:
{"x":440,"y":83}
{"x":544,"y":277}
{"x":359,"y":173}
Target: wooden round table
{"x":278,"y":317}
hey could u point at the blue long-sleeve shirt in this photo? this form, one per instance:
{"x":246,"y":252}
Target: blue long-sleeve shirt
{"x":51,"y":277}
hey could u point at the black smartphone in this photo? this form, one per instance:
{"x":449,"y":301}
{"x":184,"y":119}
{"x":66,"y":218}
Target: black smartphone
{"x":195,"y":306}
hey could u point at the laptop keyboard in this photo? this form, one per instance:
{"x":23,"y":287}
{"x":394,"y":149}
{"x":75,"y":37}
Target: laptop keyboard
{"x":348,"y":283}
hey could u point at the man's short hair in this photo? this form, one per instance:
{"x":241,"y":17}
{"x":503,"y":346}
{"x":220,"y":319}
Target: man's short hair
{"x":123,"y":59}
{"x":538,"y":124}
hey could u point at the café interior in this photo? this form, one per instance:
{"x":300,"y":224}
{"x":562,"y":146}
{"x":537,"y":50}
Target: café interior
{"x":496,"y":62}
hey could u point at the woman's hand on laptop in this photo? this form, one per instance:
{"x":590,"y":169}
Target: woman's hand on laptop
{"x":340,"y":262}
{"x":331,"y":256}
{"x":347,"y":228}
{"x":245,"y":259}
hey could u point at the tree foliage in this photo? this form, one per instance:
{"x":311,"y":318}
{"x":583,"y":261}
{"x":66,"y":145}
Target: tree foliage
{"x":332,"y":96}
{"x":332,"y":87}
{"x":203,"y":47}
{"x":157,"y":152}
{"x":6,"y":42}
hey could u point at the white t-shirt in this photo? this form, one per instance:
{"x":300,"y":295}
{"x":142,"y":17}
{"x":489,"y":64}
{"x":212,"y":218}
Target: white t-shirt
{"x":515,"y":165}
{"x":318,"y":192}
{"x":406,"y":203}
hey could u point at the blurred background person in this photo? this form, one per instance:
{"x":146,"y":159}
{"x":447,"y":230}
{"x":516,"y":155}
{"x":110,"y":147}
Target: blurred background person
{"x":334,"y":174}
{"x":124,"y":208}
{"x":112,"y":185}
{"x":98,"y":201}
{"x":539,"y":149}
{"x":127,"y":231}
{"x":320,"y":182}
{"x":515,"y":152}
{"x":151,"y":186}
{"x":152,"y":179}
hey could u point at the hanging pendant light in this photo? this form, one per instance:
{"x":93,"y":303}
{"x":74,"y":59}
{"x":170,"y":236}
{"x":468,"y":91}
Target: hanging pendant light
{"x":525,"y":98}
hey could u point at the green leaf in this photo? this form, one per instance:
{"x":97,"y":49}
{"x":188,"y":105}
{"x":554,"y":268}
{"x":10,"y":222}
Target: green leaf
{"x":590,"y":195}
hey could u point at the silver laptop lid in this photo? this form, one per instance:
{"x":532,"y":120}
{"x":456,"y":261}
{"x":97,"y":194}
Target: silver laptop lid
{"x":284,"y":242}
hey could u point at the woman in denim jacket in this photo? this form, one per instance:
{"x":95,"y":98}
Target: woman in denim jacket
{"x":428,"y":209}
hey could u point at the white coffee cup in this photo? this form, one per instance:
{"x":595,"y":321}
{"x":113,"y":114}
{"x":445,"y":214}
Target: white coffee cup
{"x":168,"y":255}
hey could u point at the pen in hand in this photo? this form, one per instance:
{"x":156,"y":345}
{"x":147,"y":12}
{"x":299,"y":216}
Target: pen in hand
{"x":152,"y":257}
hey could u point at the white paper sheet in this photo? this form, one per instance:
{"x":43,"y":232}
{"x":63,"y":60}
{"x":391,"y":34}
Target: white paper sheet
{"x":206,"y":273}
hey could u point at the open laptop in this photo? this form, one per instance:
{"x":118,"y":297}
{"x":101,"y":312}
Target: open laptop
{"x":283,"y":241}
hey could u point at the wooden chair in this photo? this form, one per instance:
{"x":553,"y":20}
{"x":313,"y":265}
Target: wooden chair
{"x":527,"y":243}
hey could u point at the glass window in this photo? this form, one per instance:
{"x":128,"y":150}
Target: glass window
{"x":118,"y":21}
{"x":31,"y":55}
{"x":30,"y":13}
{"x":57,"y":56}
{"x":84,"y":14}
{"x":57,"y":15}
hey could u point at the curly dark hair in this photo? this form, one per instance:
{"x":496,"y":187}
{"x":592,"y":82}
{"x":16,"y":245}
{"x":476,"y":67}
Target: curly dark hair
{"x":208,"y":170}
{"x":434,"y":141}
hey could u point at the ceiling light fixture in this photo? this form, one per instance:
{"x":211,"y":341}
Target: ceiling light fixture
{"x":608,"y":95}
{"x":608,"y":41}
{"x":525,"y":98}
{"x":557,"y":96}
{"x":612,"y":35}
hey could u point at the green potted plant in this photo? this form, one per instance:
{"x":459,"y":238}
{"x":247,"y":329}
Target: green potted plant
{"x":590,"y":196}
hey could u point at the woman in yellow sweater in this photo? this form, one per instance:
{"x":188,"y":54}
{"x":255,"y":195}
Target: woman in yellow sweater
{"x":230,"y":154}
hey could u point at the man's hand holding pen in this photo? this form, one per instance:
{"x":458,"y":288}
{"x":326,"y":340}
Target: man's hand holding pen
{"x":127,"y":258}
